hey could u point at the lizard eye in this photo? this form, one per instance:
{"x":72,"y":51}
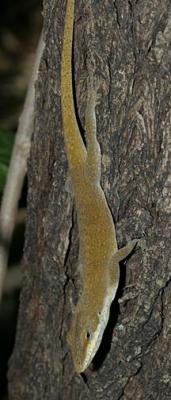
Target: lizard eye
{"x":88,"y":335}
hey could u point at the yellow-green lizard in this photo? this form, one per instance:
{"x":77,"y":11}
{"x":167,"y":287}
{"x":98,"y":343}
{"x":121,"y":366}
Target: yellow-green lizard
{"x":98,"y":247}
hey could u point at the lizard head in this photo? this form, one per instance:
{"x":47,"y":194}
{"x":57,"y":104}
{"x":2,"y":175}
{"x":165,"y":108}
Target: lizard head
{"x":85,"y":334}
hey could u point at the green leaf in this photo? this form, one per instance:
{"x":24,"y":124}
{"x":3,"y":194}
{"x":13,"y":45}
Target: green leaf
{"x":6,"y":145}
{"x":3,"y":176}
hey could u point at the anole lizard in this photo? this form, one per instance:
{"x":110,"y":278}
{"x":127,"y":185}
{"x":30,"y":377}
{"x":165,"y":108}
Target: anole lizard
{"x":98,"y":247}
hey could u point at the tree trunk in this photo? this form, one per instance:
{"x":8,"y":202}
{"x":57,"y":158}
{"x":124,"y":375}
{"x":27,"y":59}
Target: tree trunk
{"x":126,"y":45}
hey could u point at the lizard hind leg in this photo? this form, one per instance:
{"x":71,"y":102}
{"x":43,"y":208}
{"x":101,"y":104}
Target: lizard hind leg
{"x":93,"y":85}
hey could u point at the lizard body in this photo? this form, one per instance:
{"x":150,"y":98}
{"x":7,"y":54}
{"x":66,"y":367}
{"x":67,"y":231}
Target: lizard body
{"x":98,"y":246}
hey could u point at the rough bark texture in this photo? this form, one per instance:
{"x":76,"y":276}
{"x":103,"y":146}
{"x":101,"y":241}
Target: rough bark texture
{"x":126,"y":44}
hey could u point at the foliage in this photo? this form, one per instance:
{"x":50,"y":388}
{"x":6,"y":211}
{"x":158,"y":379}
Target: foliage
{"x":6,"y":145}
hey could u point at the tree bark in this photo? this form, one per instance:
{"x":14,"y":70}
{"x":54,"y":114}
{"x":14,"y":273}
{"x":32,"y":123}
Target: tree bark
{"x":126,"y":45}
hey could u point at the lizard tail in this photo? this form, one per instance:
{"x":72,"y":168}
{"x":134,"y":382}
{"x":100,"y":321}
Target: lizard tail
{"x":75,"y":148}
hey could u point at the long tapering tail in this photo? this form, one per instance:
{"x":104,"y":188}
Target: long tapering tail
{"x":74,"y":145}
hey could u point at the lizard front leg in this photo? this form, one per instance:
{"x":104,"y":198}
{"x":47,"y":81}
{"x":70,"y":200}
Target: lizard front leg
{"x":124,"y":251}
{"x":119,"y":256}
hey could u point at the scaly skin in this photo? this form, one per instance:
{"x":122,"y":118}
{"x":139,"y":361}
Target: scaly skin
{"x":98,"y":247}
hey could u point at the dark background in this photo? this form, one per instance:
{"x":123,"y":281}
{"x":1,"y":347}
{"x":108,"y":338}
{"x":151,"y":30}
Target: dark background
{"x":20,"y":26}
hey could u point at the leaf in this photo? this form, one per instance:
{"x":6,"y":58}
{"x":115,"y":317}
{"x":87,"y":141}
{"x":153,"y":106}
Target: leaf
{"x":6,"y":145}
{"x":3,"y":176}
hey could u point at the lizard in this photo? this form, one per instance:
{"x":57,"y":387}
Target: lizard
{"x":98,"y":248}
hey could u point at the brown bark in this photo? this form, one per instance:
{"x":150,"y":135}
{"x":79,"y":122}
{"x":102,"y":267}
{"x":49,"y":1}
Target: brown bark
{"x":126,"y":44}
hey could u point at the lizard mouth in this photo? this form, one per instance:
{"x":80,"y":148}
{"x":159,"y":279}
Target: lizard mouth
{"x":94,"y":344}
{"x":96,"y":340}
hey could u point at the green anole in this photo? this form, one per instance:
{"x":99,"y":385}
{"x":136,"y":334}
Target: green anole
{"x":98,"y":246}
